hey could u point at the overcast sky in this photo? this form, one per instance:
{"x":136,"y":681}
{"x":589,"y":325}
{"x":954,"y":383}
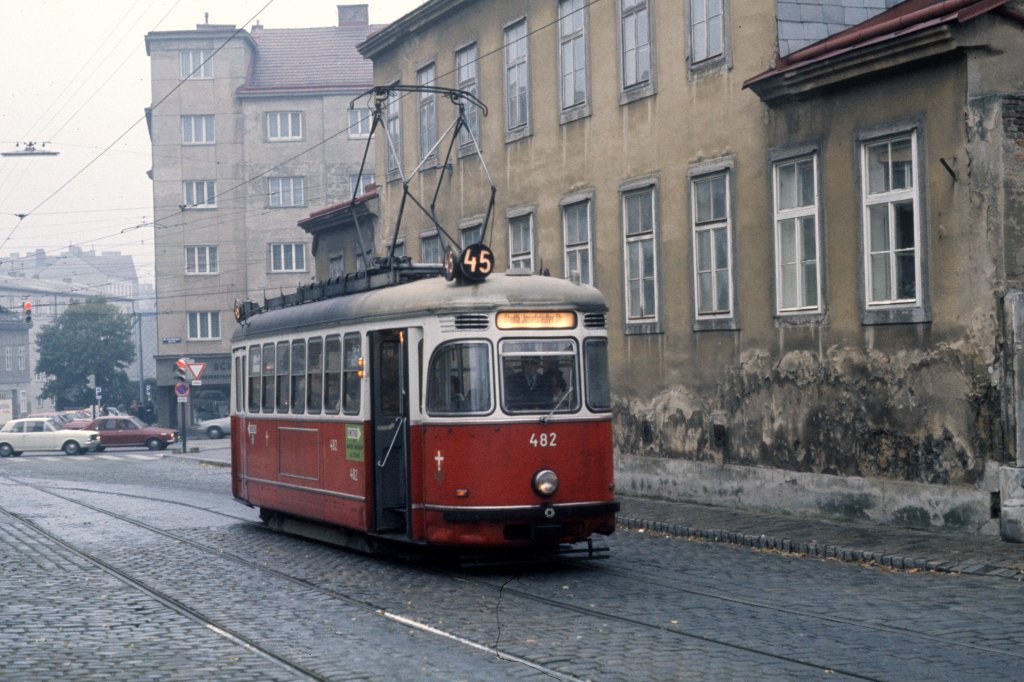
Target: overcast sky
{"x":76,"y":76}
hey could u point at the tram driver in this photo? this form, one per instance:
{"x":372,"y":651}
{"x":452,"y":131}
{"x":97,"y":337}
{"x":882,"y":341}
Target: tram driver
{"x":527,"y":389}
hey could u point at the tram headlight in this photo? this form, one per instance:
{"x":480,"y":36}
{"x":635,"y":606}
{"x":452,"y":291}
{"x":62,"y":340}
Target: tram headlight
{"x":545,"y":482}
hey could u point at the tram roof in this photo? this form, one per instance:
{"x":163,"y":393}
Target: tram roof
{"x":433,"y":296}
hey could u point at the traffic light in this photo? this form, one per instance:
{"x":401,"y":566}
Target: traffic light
{"x":181,"y":370}
{"x":27,"y":311}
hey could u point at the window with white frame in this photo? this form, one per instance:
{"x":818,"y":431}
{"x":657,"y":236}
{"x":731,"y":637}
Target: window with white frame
{"x":288,"y":257}
{"x":636,"y":43}
{"x":286,"y":191}
{"x":393,"y":127}
{"x":427,"y":106}
{"x":360,"y":120}
{"x":19,"y":357}
{"x":358,"y":183}
{"x":520,"y":241}
{"x":706,"y":29}
{"x":203,"y":325}
{"x":711,"y":245}
{"x":573,"y":53}
{"x":472,"y":234}
{"x":517,"y":77}
{"x":8,"y":358}
{"x":576,"y":226}
{"x":797,"y":276}
{"x":892,"y":258}
{"x":200,"y":193}
{"x":284,"y":125}
{"x":196,"y":64}
{"x":197,"y":129}
{"x":336,"y":264}
{"x":201,"y":260}
{"x":430,"y":249}
{"x":467,"y":75}
{"x":639,"y":223}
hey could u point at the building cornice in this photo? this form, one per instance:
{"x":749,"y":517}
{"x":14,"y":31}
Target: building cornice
{"x":396,"y":33}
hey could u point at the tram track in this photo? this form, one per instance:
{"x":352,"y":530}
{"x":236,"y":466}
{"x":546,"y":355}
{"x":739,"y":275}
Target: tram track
{"x":502,"y":590}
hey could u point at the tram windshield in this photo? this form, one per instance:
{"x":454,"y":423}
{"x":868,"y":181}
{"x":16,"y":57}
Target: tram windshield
{"x":539,"y":376}
{"x":460,"y":379}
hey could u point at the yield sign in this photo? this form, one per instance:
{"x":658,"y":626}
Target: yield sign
{"x":196,"y":368}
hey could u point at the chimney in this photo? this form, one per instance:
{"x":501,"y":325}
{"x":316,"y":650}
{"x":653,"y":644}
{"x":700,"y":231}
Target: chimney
{"x":353,"y":15}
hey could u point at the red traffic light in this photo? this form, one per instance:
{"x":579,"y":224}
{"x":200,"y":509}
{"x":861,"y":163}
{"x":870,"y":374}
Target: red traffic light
{"x":27,"y":308}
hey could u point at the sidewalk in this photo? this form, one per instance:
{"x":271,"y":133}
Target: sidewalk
{"x":899,"y":548}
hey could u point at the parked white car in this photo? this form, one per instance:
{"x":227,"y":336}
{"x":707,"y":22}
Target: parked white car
{"x":216,"y":428}
{"x":43,"y":433}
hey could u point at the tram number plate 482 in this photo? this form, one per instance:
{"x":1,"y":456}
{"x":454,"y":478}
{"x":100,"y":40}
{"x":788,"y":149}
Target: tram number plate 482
{"x":544,"y":440}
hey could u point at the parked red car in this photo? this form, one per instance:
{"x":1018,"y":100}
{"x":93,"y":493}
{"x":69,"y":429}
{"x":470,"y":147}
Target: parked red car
{"x":128,"y":431}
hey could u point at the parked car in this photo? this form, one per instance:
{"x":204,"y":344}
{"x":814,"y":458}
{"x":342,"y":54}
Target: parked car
{"x":44,"y":433}
{"x":216,"y":428}
{"x":129,"y":431}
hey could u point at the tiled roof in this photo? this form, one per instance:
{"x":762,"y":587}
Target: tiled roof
{"x":309,"y":59}
{"x":902,"y":19}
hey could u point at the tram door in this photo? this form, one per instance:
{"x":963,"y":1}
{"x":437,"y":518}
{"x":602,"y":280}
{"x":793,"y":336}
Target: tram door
{"x":388,"y":361}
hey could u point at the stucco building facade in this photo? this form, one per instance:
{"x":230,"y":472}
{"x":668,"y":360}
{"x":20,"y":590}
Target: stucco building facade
{"x":250,"y":129}
{"x":807,"y":236}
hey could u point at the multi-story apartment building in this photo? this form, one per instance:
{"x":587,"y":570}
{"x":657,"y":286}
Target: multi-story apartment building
{"x":804,"y":216}
{"x":249,"y":129}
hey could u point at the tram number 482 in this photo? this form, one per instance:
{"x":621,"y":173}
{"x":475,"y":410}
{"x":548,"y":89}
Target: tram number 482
{"x":544,"y":440}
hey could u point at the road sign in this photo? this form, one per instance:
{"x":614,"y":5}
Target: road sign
{"x":181,"y":388}
{"x":196,"y":368}
{"x":99,"y":393}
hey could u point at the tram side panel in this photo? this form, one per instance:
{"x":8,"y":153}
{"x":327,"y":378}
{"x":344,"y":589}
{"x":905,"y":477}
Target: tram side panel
{"x":314,"y":469}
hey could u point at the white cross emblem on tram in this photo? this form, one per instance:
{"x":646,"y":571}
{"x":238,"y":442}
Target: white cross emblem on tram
{"x":439,"y":458}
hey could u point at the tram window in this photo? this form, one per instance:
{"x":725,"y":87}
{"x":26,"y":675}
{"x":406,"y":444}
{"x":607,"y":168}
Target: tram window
{"x":239,"y":383}
{"x":268,"y":377}
{"x":351,"y":377}
{"x":459,"y":379}
{"x":389,"y":372}
{"x":315,"y":376}
{"x":283,"y":376}
{"x":539,"y":375}
{"x":255,"y":367}
{"x":595,"y":360}
{"x":298,"y":377}
{"x":332,"y":375}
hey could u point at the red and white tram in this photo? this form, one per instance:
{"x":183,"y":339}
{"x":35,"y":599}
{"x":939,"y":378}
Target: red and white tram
{"x":472,"y":415}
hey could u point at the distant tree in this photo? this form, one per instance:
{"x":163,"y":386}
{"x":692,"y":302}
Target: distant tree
{"x":90,"y":337}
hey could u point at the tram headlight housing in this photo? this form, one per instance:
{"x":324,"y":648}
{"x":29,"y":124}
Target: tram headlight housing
{"x":545,"y":482}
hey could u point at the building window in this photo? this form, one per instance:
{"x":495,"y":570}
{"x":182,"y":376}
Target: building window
{"x":200,"y":194}
{"x":201,"y":260}
{"x":203,"y":326}
{"x":287,"y":257}
{"x":706,"y":30}
{"x":636,"y":43}
{"x":711,"y":246}
{"x":393,"y":128}
{"x":286,"y":191}
{"x":430,"y":249}
{"x":797,"y":278}
{"x":19,"y":356}
{"x":520,"y":242}
{"x":472,"y":234}
{"x":892,"y":258}
{"x":467,"y":74}
{"x":336,"y":264}
{"x":359,"y":123}
{"x":427,"y":114}
{"x":8,"y":358}
{"x":196,"y":64}
{"x":358,"y":183}
{"x":517,"y":78}
{"x":284,"y":125}
{"x":576,"y":226}
{"x":573,"y":53}
{"x":197,"y":129}
{"x":639,"y":222}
